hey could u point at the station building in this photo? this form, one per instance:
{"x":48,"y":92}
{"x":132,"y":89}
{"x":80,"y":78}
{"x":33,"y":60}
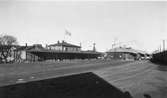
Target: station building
{"x":64,"y":46}
{"x":22,"y":53}
{"x":122,"y":53}
{"x":59,"y":51}
{"x":126,"y":54}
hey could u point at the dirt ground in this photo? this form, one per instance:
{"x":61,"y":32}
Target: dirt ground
{"x":24,"y":72}
{"x":139,"y":78}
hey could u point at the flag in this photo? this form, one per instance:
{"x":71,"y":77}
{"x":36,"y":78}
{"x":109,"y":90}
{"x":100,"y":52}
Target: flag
{"x":67,"y":33}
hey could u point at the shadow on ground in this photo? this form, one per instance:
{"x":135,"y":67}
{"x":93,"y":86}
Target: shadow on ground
{"x":85,"y":85}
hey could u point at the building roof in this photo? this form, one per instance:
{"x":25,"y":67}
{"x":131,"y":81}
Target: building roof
{"x":142,"y":52}
{"x":127,"y":50}
{"x":34,"y":47}
{"x":63,"y":43}
{"x":54,"y":51}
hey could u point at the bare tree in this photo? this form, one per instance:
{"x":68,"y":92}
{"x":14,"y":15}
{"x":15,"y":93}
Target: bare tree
{"x":8,"y":40}
{"x":7,"y":43}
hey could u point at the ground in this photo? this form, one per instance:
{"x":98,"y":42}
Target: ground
{"x":139,"y":77}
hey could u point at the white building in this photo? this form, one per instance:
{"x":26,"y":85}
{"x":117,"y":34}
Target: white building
{"x":64,"y":46}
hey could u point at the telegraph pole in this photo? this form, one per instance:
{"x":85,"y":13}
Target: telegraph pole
{"x":94,"y":48}
{"x":163,"y":45}
{"x":114,"y":48}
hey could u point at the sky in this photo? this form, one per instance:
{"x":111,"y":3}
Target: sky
{"x":137,"y":24}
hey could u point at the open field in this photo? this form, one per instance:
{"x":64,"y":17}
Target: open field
{"x":11,"y":73}
{"x":138,"y":77}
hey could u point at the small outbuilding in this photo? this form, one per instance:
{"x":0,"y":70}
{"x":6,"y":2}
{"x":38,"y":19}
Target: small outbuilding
{"x":23,"y":53}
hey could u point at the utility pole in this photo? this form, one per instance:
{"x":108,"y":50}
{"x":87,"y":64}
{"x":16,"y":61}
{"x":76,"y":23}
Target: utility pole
{"x":163,"y":45}
{"x":80,"y":44}
{"x":114,"y":55}
{"x":94,"y":48}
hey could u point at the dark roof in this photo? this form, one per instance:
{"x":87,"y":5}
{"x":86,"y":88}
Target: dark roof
{"x":128,"y":50}
{"x":64,"y":44}
{"x":21,"y":48}
{"x":29,"y":48}
{"x":54,"y":51}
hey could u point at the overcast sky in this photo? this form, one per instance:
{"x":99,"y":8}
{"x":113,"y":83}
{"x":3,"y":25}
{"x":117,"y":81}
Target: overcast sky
{"x":141,"y":25}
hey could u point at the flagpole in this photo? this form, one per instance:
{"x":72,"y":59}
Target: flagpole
{"x":67,"y":33}
{"x":64,"y":37}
